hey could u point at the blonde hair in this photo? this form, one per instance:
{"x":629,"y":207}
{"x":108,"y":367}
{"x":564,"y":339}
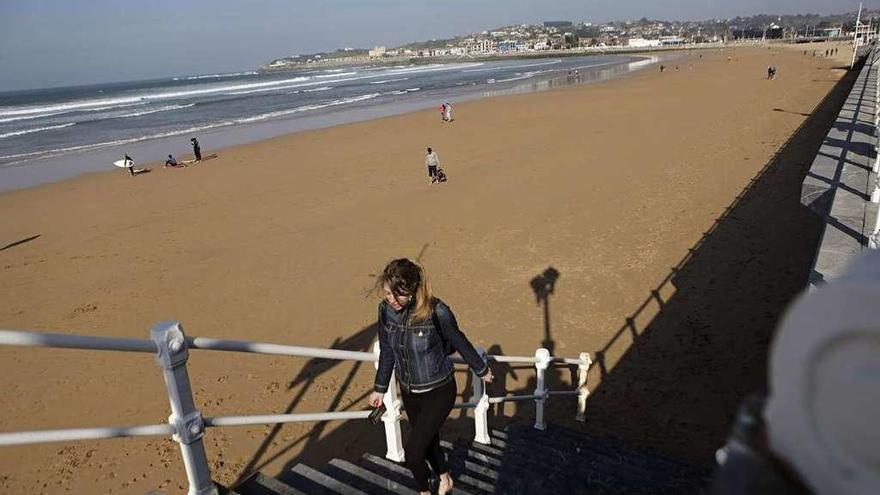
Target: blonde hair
{"x":407,"y":278}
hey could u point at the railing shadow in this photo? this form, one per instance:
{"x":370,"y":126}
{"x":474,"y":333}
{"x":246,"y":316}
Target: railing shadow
{"x":311,"y":370}
{"x":675,"y":371}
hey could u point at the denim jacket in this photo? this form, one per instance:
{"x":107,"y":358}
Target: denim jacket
{"x":416,"y":351}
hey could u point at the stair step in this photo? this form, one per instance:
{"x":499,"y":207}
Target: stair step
{"x":464,"y":483}
{"x":565,"y":436}
{"x":612,"y":473}
{"x":597,"y":455}
{"x":260,"y":484}
{"x":353,"y":473}
{"x":330,"y":485}
{"x":514,"y":477}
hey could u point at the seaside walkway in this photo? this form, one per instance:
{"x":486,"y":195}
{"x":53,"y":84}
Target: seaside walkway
{"x":841,"y":185}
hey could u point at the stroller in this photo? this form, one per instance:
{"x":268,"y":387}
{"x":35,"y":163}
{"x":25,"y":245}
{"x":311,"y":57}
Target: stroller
{"x":441,"y":175}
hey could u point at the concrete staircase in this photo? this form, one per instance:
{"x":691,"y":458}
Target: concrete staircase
{"x":521,"y":460}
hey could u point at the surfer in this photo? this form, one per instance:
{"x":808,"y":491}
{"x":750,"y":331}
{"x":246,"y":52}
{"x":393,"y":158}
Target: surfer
{"x":129,"y":164}
{"x":197,"y":151}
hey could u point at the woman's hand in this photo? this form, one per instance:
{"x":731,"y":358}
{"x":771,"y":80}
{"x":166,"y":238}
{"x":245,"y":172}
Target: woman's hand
{"x":488,"y":377}
{"x":376,"y":399}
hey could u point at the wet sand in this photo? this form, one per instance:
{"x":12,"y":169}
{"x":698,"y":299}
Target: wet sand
{"x":610,"y":184}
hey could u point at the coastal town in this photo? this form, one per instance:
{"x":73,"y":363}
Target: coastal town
{"x":586,"y":37}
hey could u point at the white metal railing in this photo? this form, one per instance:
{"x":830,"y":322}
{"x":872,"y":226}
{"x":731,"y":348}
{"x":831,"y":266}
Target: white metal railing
{"x":187,"y":425}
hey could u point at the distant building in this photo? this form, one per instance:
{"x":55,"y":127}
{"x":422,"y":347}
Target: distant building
{"x":672,"y":40}
{"x":558,"y":24}
{"x":377,"y":52}
{"x":642,"y":43}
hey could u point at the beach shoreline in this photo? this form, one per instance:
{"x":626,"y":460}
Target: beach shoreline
{"x":223,"y":133}
{"x":279,"y":241}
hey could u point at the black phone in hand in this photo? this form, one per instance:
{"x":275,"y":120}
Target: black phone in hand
{"x":375,"y":416}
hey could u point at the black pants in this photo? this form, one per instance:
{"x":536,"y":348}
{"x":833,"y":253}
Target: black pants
{"x":427,"y":412}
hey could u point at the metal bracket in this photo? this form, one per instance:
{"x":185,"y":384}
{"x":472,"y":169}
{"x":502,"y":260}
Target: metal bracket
{"x":190,"y":428}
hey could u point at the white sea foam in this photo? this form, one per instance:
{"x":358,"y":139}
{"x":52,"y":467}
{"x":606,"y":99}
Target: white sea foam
{"x":85,"y":104}
{"x":37,"y":129}
{"x":323,"y":76}
{"x":390,"y":80}
{"x":140,"y":98}
{"x":219,"y":76}
{"x":216,"y":76}
{"x":22,"y":157}
{"x":53,"y":114}
{"x":323,"y":88}
{"x":263,"y":90}
{"x":281,"y":113}
{"x":551,"y":62}
{"x":167,"y":108}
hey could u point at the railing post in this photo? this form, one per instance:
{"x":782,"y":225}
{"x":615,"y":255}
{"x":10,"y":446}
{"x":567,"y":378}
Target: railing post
{"x":543,"y":356}
{"x":481,"y":423}
{"x":875,"y":194}
{"x":391,"y":418}
{"x":187,"y":420}
{"x":583,"y":391}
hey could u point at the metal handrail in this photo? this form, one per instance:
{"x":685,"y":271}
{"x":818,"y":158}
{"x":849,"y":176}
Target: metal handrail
{"x":187,"y":425}
{"x":211,"y":344}
{"x":67,"y":341}
{"x":90,"y":342}
{"x":71,"y":434}
{"x":284,"y":418}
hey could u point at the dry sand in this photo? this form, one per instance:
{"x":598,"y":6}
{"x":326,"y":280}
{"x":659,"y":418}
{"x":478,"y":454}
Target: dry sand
{"x":611,"y":184}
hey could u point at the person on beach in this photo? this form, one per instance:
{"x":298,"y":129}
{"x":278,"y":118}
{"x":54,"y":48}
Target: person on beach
{"x":129,"y":164}
{"x":197,"y":151}
{"x":417,"y":333}
{"x":443,"y":112}
{"x":171,"y":162}
{"x":447,"y":115}
{"x":432,"y":161}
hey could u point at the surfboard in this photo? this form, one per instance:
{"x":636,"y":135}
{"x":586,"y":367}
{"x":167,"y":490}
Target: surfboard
{"x":206,"y":157}
{"x":120,"y":164}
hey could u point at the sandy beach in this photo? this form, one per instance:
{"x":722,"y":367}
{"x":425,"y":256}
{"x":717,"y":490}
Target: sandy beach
{"x":611,"y":184}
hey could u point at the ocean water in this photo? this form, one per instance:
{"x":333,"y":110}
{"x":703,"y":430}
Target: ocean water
{"x":56,"y":133}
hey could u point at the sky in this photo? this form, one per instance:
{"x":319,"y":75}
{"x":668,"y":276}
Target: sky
{"x":48,"y":43}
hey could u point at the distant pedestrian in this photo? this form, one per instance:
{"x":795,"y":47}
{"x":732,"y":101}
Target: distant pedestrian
{"x":662,"y":67}
{"x":443,"y":112}
{"x":448,"y":113}
{"x":432,"y":161}
{"x":197,"y":151}
{"x":129,"y":164}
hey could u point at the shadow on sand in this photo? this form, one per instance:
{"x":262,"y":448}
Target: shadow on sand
{"x":674,"y":373}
